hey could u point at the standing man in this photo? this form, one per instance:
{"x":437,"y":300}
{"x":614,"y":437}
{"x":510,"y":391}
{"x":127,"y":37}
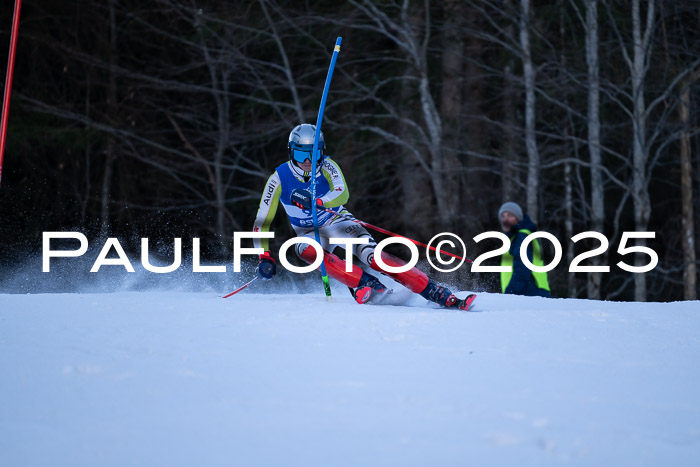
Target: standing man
{"x":290,"y":185}
{"x":521,"y":281}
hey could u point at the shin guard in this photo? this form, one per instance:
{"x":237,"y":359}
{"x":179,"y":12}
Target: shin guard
{"x":335,"y":267}
{"x":414,"y":279}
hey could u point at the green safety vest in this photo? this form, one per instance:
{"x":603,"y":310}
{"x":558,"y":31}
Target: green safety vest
{"x":507,"y":260}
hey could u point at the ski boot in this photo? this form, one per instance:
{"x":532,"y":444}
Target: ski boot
{"x":445,"y":298}
{"x":368,"y":286}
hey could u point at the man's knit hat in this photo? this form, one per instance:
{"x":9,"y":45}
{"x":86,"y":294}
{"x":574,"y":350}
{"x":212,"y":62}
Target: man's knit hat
{"x":513,"y":208}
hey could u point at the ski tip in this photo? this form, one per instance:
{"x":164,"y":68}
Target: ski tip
{"x":368,"y":296}
{"x":363,"y":294}
{"x":468,"y":302}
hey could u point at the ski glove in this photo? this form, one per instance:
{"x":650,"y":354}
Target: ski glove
{"x":302,"y":199}
{"x":267,"y":267}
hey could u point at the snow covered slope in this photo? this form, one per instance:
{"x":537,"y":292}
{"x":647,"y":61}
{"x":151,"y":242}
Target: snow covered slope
{"x":190,"y":379}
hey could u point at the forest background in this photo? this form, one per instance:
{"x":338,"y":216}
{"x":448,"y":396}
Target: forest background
{"x":164,"y":118}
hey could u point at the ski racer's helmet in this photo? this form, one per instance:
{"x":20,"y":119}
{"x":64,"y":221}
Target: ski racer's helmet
{"x":301,"y":143}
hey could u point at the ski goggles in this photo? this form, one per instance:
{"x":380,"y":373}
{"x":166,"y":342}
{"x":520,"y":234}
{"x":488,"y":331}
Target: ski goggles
{"x":301,"y":156}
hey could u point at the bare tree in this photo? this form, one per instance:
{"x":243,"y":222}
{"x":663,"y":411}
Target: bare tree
{"x":597,"y":189}
{"x":533,"y":155}
{"x":451,"y":101}
{"x":509,"y":152}
{"x":650,"y":140}
{"x":411,"y":39}
{"x":112,"y":109}
{"x":639,"y":64}
{"x":687,"y":225}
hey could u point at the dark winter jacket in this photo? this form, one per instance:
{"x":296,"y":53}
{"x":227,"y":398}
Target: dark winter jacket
{"x":523,"y":281}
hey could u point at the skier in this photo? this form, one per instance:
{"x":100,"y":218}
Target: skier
{"x":521,"y":280}
{"x":290,"y":185}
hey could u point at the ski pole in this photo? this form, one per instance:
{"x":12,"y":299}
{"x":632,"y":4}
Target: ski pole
{"x":314,"y":153}
{"x":8,"y":81}
{"x":241,"y":287}
{"x":384,"y":231}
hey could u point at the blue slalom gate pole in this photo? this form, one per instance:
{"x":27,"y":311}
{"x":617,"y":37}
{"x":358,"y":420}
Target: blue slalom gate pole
{"x":319,"y":121}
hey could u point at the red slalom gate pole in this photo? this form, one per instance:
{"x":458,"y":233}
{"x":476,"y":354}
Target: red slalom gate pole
{"x":241,"y":287}
{"x":384,"y":231}
{"x":8,"y":81}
